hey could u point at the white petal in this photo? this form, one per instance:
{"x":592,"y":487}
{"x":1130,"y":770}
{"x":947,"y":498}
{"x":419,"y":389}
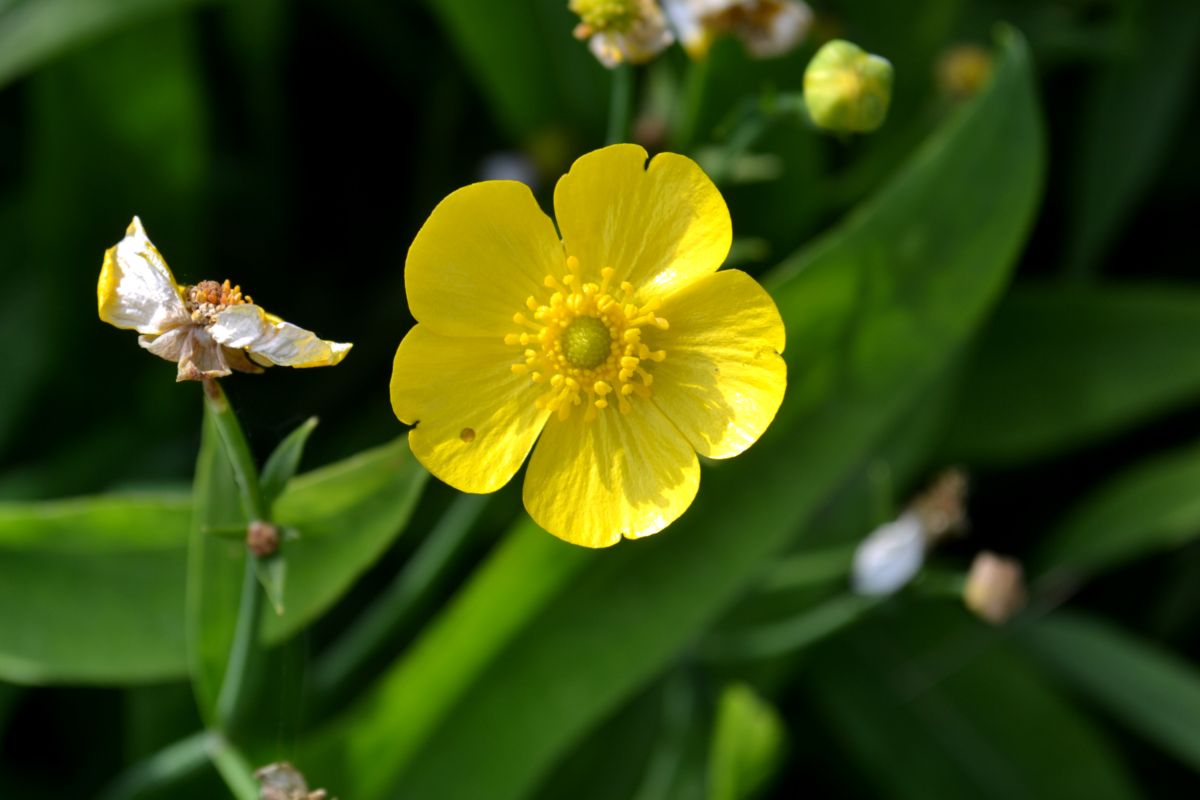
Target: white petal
{"x":271,"y":340}
{"x":889,"y":558}
{"x":137,"y":289}
{"x":787,"y":23}
{"x":200,"y":357}
{"x":168,"y":345}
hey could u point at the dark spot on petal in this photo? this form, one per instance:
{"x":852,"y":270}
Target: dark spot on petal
{"x":467,"y":435}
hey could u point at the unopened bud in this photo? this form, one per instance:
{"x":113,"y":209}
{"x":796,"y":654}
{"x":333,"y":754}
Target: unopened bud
{"x":995,"y":588}
{"x":962,"y":70}
{"x":889,"y":558}
{"x":262,"y":538}
{"x":847,"y":89}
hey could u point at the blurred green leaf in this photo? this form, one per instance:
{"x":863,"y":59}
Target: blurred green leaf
{"x":747,"y":745}
{"x":1060,"y":366}
{"x":346,"y":515}
{"x":1153,"y":506}
{"x":928,"y":704}
{"x":1132,"y":108}
{"x":532,"y":71}
{"x":214,"y":569}
{"x":33,"y":32}
{"x":1151,"y":691}
{"x":547,"y":639}
{"x":91,"y":589}
{"x":283,"y":462}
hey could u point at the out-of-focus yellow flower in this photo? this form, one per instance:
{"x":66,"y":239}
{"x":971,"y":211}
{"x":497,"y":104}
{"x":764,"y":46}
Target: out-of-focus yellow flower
{"x":620,"y":345}
{"x":619,"y":31}
{"x":962,"y":70}
{"x":209,"y":329}
{"x":847,"y":89}
{"x":766,"y":27}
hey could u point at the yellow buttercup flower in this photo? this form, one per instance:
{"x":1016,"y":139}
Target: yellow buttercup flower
{"x":619,"y":349}
{"x":209,"y":328}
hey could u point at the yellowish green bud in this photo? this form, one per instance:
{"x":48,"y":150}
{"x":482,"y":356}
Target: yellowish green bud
{"x":963,"y":70}
{"x":847,"y":89}
{"x":602,"y":16}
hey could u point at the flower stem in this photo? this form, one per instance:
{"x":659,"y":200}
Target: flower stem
{"x":234,"y":769}
{"x":231,"y":697}
{"x":620,"y":104}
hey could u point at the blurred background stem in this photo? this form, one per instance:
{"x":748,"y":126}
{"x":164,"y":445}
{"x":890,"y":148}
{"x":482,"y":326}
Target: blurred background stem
{"x":620,"y":107}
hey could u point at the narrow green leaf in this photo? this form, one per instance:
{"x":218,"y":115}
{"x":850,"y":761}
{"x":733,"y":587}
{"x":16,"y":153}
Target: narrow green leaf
{"x":928,"y":704}
{"x":1131,"y":109}
{"x":1060,"y":366}
{"x":875,"y":311}
{"x":61,"y":616}
{"x":1153,"y":506}
{"x":346,"y":515}
{"x":1150,"y":690}
{"x":33,"y":32}
{"x":747,"y":745}
{"x":530,"y":78}
{"x":63,"y":619}
{"x":284,"y":461}
{"x":214,"y":569}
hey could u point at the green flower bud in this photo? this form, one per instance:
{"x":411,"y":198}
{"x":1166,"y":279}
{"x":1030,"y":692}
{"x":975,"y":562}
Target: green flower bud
{"x":847,"y":89}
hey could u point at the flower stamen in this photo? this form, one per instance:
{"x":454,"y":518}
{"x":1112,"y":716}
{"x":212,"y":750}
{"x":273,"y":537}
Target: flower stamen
{"x":587,"y":343}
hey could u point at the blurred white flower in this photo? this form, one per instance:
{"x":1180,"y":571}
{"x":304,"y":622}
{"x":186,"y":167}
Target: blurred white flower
{"x":889,"y":557}
{"x":619,"y":31}
{"x":766,"y":27}
{"x":509,"y":165}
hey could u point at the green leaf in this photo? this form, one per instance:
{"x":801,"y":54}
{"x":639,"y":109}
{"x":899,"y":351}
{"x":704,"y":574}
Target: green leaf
{"x":1131,"y":109}
{"x":284,"y":461}
{"x":1148,"y":689}
{"x":548,"y":639}
{"x":1061,"y":366}
{"x":531,"y":70}
{"x":33,"y":32}
{"x":1153,"y":506}
{"x":214,"y":568}
{"x":928,"y":704}
{"x":91,"y":590}
{"x":747,"y":745}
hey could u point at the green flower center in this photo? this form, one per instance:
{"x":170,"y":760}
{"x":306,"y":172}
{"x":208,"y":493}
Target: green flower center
{"x":586,"y":343}
{"x":606,"y":15}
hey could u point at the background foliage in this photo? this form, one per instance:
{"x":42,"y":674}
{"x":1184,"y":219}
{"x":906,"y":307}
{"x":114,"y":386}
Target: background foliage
{"x":1002,"y":283}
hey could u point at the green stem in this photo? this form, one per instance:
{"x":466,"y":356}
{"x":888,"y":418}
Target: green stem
{"x":804,"y":629}
{"x":620,"y":106}
{"x":245,"y":643}
{"x":234,"y":768}
{"x":693,"y":99}
{"x":166,"y":767}
{"x":400,"y":602}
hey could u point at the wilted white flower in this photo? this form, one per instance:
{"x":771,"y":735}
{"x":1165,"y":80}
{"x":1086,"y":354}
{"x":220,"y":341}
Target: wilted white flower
{"x":210,"y":328}
{"x":766,"y":27}
{"x":889,"y":557}
{"x":619,"y":31}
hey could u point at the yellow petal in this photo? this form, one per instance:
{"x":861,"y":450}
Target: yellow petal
{"x":136,"y":288}
{"x":659,"y":227}
{"x":483,"y":250}
{"x":475,"y":420}
{"x":723,"y":378}
{"x":273,"y":341}
{"x":630,"y":475}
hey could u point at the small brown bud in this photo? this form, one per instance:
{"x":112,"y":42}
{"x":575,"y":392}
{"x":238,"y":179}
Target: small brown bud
{"x":262,"y":538}
{"x":995,"y":589}
{"x":942,"y":508}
